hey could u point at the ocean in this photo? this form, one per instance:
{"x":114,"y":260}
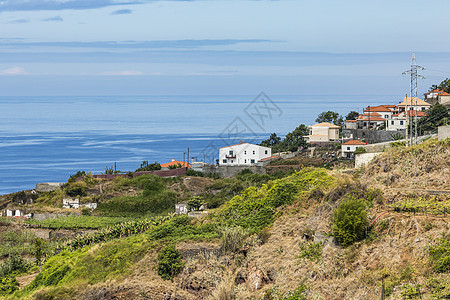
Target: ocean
{"x":47,"y":139}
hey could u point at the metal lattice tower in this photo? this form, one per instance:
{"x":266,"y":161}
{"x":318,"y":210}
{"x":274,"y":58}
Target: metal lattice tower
{"x":413,"y":96}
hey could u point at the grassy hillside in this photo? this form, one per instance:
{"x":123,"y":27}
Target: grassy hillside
{"x":314,"y":234}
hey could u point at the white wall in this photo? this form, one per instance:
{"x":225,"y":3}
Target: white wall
{"x":244,"y":154}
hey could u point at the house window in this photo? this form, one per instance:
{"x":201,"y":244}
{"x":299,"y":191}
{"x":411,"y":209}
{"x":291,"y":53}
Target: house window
{"x":224,"y":161}
{"x":245,"y":161}
{"x":231,"y":152}
{"x":232,"y":161}
{"x":253,"y":152}
{"x":265,"y":151}
{"x":392,"y":122}
{"x":348,"y":148}
{"x":365,"y":124}
{"x":252,"y":161}
{"x":423,"y":108}
{"x":386,"y":116}
{"x":245,"y":152}
{"x":401,"y":122}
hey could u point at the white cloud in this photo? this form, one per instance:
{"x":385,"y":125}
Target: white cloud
{"x":14,"y":71}
{"x":122,"y":73}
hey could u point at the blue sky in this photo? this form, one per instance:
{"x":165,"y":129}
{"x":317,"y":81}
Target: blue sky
{"x":101,"y":47}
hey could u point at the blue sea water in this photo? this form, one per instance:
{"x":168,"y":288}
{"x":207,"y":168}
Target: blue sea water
{"x":46,"y":139}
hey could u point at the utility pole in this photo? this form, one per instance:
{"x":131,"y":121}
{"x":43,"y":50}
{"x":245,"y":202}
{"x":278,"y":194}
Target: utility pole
{"x":406,"y":120}
{"x":414,"y":76}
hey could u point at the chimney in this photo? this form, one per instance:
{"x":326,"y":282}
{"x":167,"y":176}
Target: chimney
{"x":173,"y":159}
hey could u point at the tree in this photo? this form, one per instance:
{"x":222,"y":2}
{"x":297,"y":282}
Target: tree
{"x":169,"y":262}
{"x":145,"y":166}
{"x":194,"y":203}
{"x":444,"y":85}
{"x":437,"y":116}
{"x":271,"y":141}
{"x":294,"y":139}
{"x":352,"y":115}
{"x":40,"y":249}
{"x":330,"y":116}
{"x":350,"y":221}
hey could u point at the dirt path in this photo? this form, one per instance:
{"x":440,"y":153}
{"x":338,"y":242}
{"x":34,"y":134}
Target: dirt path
{"x":26,"y":280}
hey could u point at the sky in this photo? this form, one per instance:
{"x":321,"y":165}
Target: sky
{"x":215,"y":47}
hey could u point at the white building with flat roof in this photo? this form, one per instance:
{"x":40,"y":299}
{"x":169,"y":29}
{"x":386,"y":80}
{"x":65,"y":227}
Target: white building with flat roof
{"x":243,"y":154}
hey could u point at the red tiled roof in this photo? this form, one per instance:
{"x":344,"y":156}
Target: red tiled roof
{"x":351,"y":121}
{"x":176,"y":162}
{"x":444,"y":94}
{"x":381,"y":108}
{"x":354,"y":142}
{"x":411,"y":113}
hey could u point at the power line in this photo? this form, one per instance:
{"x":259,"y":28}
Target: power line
{"x":413,"y":95}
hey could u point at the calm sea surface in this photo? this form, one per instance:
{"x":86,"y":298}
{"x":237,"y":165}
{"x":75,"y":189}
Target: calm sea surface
{"x":46,"y":139}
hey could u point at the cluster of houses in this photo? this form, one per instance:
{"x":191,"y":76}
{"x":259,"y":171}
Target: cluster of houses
{"x":389,"y":117}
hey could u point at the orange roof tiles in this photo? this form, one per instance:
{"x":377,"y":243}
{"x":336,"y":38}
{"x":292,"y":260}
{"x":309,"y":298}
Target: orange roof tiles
{"x":444,"y":94}
{"x":381,"y":108}
{"x":176,"y":162}
{"x":354,"y":142}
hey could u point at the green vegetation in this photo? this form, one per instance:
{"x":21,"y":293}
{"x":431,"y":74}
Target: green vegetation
{"x":360,"y":150}
{"x":437,"y":116}
{"x":311,"y":251}
{"x":116,"y":231}
{"x":440,"y":255}
{"x":169,"y":262}
{"x":156,"y":198}
{"x":8,"y":285}
{"x":433,"y":205}
{"x":16,"y":242}
{"x":78,"y":222}
{"x":232,"y":238}
{"x":194,"y":203}
{"x":255,"y":208}
{"x":176,"y":166}
{"x":145,"y":166}
{"x":292,"y":142}
{"x":331,"y":117}
{"x":90,"y":264}
{"x":350,"y":220}
{"x":444,"y":85}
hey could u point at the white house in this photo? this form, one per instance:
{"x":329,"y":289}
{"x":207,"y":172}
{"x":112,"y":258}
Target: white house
{"x":398,"y":121}
{"x":322,"y":133}
{"x":243,"y":154}
{"x":348,"y":148}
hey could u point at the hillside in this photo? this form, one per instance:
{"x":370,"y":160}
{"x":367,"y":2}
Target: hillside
{"x":273,"y":238}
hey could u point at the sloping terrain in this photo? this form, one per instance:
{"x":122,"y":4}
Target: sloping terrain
{"x":278,"y":241}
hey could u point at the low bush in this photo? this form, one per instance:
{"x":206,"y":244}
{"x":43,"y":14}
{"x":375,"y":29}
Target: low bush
{"x":8,"y":285}
{"x":170,"y":263}
{"x":14,"y":264}
{"x":350,"y":221}
{"x":440,"y":255}
{"x":311,"y":251}
{"x":232,"y":238}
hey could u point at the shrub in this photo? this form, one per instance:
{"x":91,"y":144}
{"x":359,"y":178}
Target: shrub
{"x":360,"y":150}
{"x":169,"y":262}
{"x":232,"y":238}
{"x":311,"y":251}
{"x":145,"y":166}
{"x":8,"y":285}
{"x":350,"y":221}
{"x":440,"y":255}
{"x":14,"y":264}
{"x":76,"y":191}
{"x":190,"y":172}
{"x":194,"y":203}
